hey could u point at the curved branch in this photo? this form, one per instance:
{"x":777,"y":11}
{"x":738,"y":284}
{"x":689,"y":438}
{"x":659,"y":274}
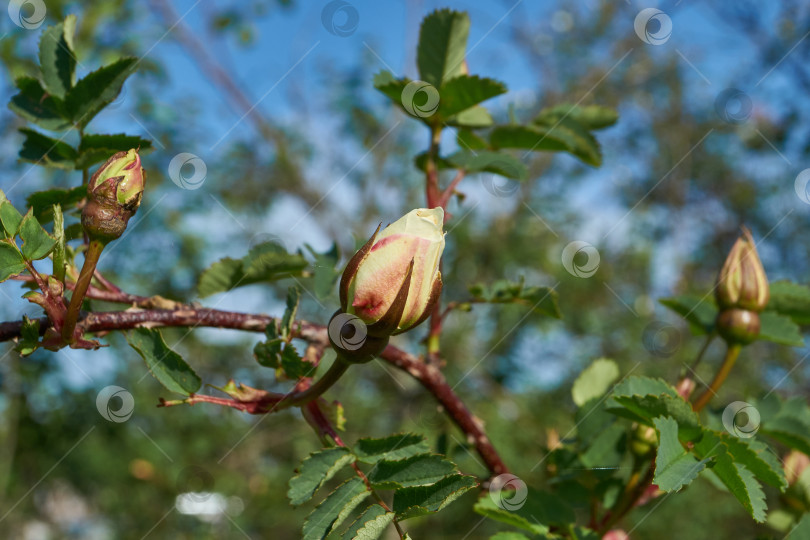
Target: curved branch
{"x":428,"y":375}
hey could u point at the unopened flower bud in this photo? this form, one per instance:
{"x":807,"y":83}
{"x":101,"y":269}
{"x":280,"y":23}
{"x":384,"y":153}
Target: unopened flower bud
{"x":393,"y":282}
{"x":742,"y":282}
{"x":113,"y":196}
{"x":738,"y":326}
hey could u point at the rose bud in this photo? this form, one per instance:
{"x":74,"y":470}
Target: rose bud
{"x":740,"y":326}
{"x":393,"y":282}
{"x":113,"y":196}
{"x":742,"y":282}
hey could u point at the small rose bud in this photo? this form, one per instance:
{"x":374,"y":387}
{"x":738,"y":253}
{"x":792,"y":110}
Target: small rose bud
{"x":113,"y":196}
{"x":795,"y":463}
{"x":739,"y":326}
{"x":393,"y":282}
{"x":742,"y":282}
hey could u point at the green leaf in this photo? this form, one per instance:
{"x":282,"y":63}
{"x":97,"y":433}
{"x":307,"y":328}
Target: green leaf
{"x":442,"y":45}
{"x":508,"y":536}
{"x":543,"y":300}
{"x":788,"y":422}
{"x":470,"y":141}
{"x":33,"y":104}
{"x":315,"y":470}
{"x":533,"y":512}
{"x":465,"y":91}
{"x":737,"y":478}
{"x":385,"y":82}
{"x":590,"y":116}
{"x":779,"y":329}
{"x":293,"y":365}
{"x":222,"y":276}
{"x":287,"y":320}
{"x":324,"y":270}
{"x":493,"y":162}
{"x":594,"y":381}
{"x":29,"y":337}
{"x":674,"y":467}
{"x":420,"y":500}
{"x":46,"y":151}
{"x":9,"y":216}
{"x":167,"y":366}
{"x":802,"y":529}
{"x":399,"y":446}
{"x":606,"y":448}
{"x":97,"y":90}
{"x":790,"y":299}
{"x":269,"y":261}
{"x":646,"y":408}
{"x":755,"y":455}
{"x":59,"y":255}
{"x":335,"y":509}
{"x":37,"y":243}
{"x":419,"y":470}
{"x":97,"y":148}
{"x":11,"y":262}
{"x":487,"y":507}
{"x":642,"y":386}
{"x":43,"y":202}
{"x":370,"y":524}
{"x":568,"y":136}
{"x":699,"y":311}
{"x":473,"y":118}
{"x":56,"y":57}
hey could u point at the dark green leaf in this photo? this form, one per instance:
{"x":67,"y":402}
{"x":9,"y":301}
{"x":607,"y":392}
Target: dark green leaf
{"x":9,"y":216}
{"x":370,"y":524}
{"x":389,"y":85}
{"x":442,"y":46}
{"x":399,"y":446}
{"x":56,"y":57}
{"x":293,"y":365}
{"x":419,"y":470}
{"x":543,"y":300}
{"x":11,"y":262}
{"x":420,"y":500}
{"x":607,"y":448}
{"x":46,"y":151}
{"x":700,"y":312}
{"x":167,"y":366}
{"x":590,"y":116}
{"x":324,"y":271}
{"x":222,"y":276}
{"x":98,"y":89}
{"x":790,"y":299}
{"x":754,"y":454}
{"x":674,"y":467}
{"x":34,"y":105}
{"x":335,"y":509}
{"x":29,"y":336}
{"x":779,"y":329}
{"x":646,"y":408}
{"x":97,"y":148}
{"x":594,"y":381}
{"x":37,"y":243}
{"x":468,"y":140}
{"x":269,"y":260}
{"x":508,"y":536}
{"x":42,"y":202}
{"x":737,"y":478}
{"x":315,"y":470}
{"x":287,"y":320}
{"x":486,"y":161}
{"x":486,"y":506}
{"x":465,"y":91}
